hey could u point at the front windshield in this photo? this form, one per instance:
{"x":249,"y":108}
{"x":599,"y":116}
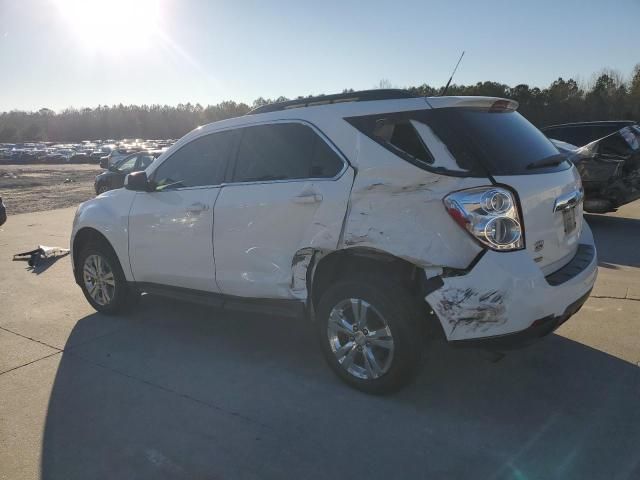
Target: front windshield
{"x":127,"y":164}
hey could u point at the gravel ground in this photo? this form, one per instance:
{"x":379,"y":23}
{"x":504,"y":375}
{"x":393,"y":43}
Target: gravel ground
{"x":32,"y":188}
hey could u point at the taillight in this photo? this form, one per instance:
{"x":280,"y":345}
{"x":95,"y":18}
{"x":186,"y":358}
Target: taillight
{"x":489,"y":214}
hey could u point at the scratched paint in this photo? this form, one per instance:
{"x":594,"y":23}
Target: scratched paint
{"x":470,"y":310}
{"x":395,"y":207}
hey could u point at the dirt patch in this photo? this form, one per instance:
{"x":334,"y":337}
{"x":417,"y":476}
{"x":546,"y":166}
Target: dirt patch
{"x":32,"y":188}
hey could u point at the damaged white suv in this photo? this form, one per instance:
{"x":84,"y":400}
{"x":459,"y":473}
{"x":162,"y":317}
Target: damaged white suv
{"x":386,"y":218}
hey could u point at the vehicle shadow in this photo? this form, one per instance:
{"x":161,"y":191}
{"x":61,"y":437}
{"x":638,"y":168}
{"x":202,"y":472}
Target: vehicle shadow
{"x":184,"y":391}
{"x":608,"y":232}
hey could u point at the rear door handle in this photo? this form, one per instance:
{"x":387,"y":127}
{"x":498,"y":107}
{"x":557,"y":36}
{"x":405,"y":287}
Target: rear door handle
{"x":197,"y":207}
{"x":308,"y":198}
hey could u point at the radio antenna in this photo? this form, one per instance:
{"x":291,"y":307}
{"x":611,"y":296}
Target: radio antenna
{"x":444,"y":90}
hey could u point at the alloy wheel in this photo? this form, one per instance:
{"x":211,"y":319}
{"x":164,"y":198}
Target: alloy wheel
{"x":360,"y":339}
{"x":99,"y":280}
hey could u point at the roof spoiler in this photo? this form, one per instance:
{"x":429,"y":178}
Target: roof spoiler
{"x":490,"y":104}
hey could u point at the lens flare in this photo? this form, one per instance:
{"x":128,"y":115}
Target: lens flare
{"x":111,"y":26}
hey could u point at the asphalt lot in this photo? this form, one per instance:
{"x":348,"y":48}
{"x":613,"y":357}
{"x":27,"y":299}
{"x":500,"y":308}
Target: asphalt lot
{"x":182,"y":391}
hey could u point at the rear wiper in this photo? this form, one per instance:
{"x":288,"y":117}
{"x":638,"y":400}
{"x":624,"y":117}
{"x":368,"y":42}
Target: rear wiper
{"x":547,"y":162}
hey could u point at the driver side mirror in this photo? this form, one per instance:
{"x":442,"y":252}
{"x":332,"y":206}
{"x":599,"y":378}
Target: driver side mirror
{"x":138,"y":182}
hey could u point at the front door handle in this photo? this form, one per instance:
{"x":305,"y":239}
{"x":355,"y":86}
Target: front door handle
{"x":308,"y":198}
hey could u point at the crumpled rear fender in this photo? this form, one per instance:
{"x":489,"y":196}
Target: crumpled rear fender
{"x":505,"y":292}
{"x":397,"y":208}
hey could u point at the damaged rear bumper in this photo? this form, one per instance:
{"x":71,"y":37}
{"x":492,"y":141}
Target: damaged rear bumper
{"x":506,"y":299}
{"x":538,"y":330}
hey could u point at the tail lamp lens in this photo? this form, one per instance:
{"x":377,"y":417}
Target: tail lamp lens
{"x":489,"y":214}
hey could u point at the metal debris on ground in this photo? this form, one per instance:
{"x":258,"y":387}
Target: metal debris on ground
{"x":34,"y":257}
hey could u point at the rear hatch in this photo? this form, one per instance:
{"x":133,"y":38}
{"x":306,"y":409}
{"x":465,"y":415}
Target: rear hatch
{"x":517,"y":155}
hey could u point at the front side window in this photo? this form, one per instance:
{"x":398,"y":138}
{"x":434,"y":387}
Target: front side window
{"x":284,"y":151}
{"x":200,"y":162}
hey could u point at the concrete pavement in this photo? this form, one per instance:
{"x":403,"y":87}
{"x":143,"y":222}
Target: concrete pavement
{"x":183,"y":391}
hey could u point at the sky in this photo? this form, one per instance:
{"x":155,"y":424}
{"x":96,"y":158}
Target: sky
{"x":84,"y":53}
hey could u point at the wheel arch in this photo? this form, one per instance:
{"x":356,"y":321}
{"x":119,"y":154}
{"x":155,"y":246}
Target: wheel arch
{"x":84,"y":236}
{"x":364,"y":261}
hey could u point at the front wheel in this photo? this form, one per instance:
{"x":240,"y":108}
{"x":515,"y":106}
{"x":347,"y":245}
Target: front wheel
{"x":369,"y":334}
{"x":102,"y":280}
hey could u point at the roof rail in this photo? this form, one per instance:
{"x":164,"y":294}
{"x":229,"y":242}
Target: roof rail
{"x":361,"y":96}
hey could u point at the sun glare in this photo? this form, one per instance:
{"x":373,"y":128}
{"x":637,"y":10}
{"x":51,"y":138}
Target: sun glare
{"x":112,"y":26}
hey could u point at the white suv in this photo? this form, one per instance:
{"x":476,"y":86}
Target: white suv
{"x":387,"y":219}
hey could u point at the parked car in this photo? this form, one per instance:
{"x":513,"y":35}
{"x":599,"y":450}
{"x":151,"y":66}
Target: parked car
{"x":96,"y":155}
{"x":80,"y":157}
{"x":114,"y":176}
{"x":609,"y":167}
{"x":581,"y":133}
{"x":388,"y":219}
{"x":113,"y":157}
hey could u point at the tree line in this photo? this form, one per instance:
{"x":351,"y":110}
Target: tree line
{"x":607,"y":97}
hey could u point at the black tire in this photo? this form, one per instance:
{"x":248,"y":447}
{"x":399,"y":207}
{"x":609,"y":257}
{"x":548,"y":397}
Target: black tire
{"x":123,"y":297}
{"x":101,"y":189}
{"x":403,"y":315}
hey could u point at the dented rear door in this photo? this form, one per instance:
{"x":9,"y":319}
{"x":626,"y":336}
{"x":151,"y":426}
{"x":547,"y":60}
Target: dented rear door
{"x":265,"y":224}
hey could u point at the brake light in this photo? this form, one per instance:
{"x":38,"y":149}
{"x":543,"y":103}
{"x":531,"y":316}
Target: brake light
{"x":503,"y":106}
{"x":489,"y":214}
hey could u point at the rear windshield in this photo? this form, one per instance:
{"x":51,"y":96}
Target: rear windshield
{"x":471,"y":142}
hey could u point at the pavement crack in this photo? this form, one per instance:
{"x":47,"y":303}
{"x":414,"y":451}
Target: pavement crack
{"x":613,"y":297}
{"x":32,"y":361}
{"x":32,"y":339}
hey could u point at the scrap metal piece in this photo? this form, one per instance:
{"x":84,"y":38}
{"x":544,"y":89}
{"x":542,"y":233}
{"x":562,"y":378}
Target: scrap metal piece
{"x":43,"y":252}
{"x":3,"y":213}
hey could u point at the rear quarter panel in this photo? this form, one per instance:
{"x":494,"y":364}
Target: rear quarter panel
{"x":397,"y":208}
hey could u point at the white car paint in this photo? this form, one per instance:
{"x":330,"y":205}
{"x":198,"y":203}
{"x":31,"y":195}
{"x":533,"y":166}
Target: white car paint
{"x":505,"y":293}
{"x":170,"y":238}
{"x":260,"y":227}
{"x":259,"y":239}
{"x":538,"y":194}
{"x":394,"y":207}
{"x":108,"y":213}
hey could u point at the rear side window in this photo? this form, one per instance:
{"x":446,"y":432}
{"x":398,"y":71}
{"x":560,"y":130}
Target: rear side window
{"x":200,"y":162}
{"x":325,"y":161}
{"x":284,"y":151}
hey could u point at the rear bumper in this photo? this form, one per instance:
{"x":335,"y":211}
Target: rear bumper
{"x":506,"y":295}
{"x":538,"y":330}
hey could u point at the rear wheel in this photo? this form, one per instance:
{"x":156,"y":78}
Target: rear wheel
{"x":369,"y":333}
{"x":102,"y":280}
